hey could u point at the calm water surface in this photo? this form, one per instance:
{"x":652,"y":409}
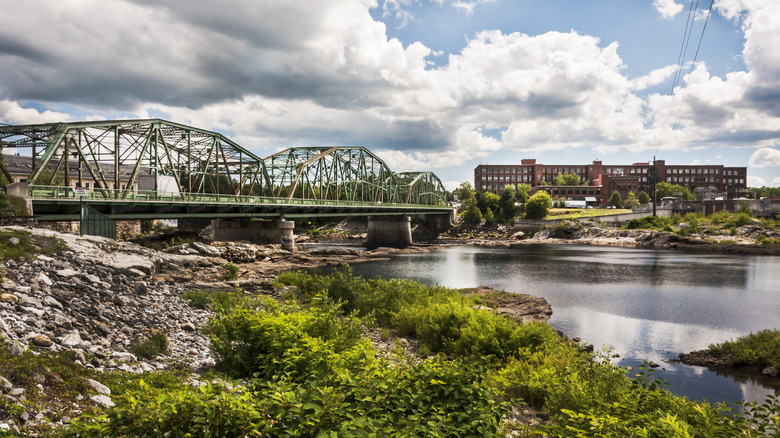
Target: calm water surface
{"x":644,"y":304}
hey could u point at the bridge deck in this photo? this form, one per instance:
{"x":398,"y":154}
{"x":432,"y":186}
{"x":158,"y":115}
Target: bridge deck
{"x":61,"y":203}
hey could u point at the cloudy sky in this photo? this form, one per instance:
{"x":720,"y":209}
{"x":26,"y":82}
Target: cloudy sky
{"x":440,"y":85}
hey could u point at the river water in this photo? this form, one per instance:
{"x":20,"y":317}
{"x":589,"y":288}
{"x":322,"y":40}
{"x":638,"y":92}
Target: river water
{"x":643,"y":304}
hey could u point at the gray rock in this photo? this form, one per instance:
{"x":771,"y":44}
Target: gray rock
{"x":42,"y":278}
{"x":71,"y":339}
{"x":42,"y":341}
{"x":99,"y":387}
{"x":103,"y":400}
{"x":206,"y":250}
{"x":5,"y":385}
{"x":16,"y":392}
{"x":15,"y":349}
{"x":52,"y":302}
{"x":66,"y":273}
{"x":136,"y":272}
{"x":770,"y":371}
{"x":123,"y":356}
{"x":141,"y":287}
{"x":13,"y":241}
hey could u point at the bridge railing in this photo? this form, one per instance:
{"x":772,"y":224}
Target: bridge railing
{"x":68,"y":193}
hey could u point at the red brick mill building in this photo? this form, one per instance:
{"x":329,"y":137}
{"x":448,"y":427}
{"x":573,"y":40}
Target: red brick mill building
{"x":602,"y":180}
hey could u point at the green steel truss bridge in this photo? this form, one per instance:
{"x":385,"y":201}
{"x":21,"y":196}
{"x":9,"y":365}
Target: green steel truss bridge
{"x":156,"y":169}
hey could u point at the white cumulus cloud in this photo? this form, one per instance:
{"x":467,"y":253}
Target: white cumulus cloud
{"x":765,"y":157}
{"x":667,"y":8}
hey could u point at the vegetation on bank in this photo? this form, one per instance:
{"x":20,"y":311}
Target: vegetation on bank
{"x":304,"y":368}
{"x":577,"y":213}
{"x":722,"y":223}
{"x":759,"y":350}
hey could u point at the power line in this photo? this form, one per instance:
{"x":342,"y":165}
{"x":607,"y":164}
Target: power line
{"x":680,"y":61}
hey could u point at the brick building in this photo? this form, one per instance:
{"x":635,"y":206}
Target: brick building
{"x":600,"y":180}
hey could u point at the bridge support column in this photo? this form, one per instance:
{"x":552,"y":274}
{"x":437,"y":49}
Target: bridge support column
{"x":258,"y":232}
{"x":438,"y":223}
{"x":21,"y":190}
{"x":393,"y":231}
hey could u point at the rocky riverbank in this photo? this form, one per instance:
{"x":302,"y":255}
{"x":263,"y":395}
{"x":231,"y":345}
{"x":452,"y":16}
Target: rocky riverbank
{"x":98,"y":297}
{"x":745,"y":241}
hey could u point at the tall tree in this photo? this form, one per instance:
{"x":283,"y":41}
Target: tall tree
{"x":522,"y":193}
{"x":615,"y":200}
{"x":538,"y":205}
{"x":507,"y":204}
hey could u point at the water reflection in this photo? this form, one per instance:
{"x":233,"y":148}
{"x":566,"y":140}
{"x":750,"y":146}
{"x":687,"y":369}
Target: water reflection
{"x":646,"y":304}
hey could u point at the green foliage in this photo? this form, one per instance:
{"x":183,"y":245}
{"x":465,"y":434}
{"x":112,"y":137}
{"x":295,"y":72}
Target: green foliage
{"x":643,"y":408}
{"x":286,"y":341}
{"x":615,"y":200}
{"x":764,"y":192}
{"x":432,"y":398}
{"x":760,"y":349}
{"x":644,"y":198}
{"x":507,"y":204}
{"x":763,"y":240}
{"x":538,"y":205}
{"x":229,"y":272}
{"x":665,"y":189}
{"x":63,"y":378}
{"x":472,"y":214}
{"x":465,"y":192}
{"x":694,"y":224}
{"x":18,"y":244}
{"x":488,"y":201}
{"x":522,"y":193}
{"x":630,"y":201}
{"x":151,"y":346}
{"x":649,"y":223}
{"x":12,"y":205}
{"x":307,"y":372}
{"x":567,"y":179}
{"x":489,"y":217}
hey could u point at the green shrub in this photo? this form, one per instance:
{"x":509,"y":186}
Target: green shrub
{"x":151,"y":346}
{"x":649,"y":223}
{"x":229,"y":272}
{"x":761,"y":349}
{"x":286,"y":341}
{"x":432,"y":398}
{"x":222,"y":301}
{"x":538,"y":205}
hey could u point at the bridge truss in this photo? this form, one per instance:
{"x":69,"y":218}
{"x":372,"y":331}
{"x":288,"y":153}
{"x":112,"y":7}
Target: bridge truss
{"x":332,"y":173}
{"x":116,"y":158}
{"x":149,"y":160}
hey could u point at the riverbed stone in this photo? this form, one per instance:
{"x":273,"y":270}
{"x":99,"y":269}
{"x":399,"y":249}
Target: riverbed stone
{"x":770,"y":371}
{"x":42,"y":341}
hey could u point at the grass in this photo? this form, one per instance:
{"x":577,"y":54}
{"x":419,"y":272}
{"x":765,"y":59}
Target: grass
{"x":759,"y":350}
{"x":18,"y":244}
{"x":576,"y":213}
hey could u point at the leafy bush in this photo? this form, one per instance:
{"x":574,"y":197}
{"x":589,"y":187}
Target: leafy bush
{"x":538,"y":205}
{"x":229,"y":272}
{"x":286,"y":341}
{"x":433,"y":398}
{"x":151,"y":346}
{"x":760,"y":349}
{"x":649,"y":223}
{"x":221,"y":301}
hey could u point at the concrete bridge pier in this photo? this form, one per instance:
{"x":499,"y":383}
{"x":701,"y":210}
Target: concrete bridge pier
{"x":258,"y":232}
{"x":393,"y":231}
{"x":438,"y":223}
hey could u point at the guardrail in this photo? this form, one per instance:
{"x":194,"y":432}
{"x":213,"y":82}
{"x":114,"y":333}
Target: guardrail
{"x":69,"y":193}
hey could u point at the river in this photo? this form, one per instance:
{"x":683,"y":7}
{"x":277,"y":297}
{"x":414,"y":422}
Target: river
{"x":643,"y":304}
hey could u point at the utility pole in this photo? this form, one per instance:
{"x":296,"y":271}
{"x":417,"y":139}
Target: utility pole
{"x":653,"y":178}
